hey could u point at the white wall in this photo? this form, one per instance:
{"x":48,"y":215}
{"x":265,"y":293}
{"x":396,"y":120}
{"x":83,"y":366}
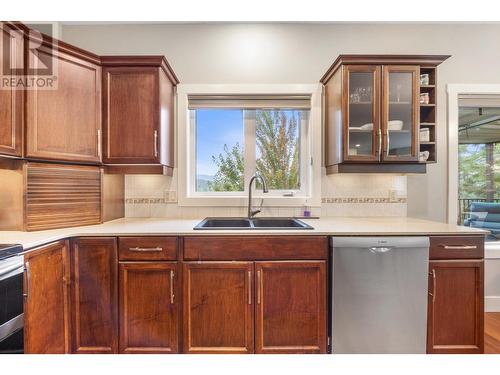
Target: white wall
{"x":301,"y":53}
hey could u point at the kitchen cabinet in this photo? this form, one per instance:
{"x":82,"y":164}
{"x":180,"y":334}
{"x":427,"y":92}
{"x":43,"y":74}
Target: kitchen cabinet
{"x":271,"y":289}
{"x":94,"y":295}
{"x":456,"y":295}
{"x":372,"y":113}
{"x":138,"y":112}
{"x":46,"y":299}
{"x":11,"y":100}
{"x":218,"y":307}
{"x":291,"y":307}
{"x":148,"y":309}
{"x":64,"y":122}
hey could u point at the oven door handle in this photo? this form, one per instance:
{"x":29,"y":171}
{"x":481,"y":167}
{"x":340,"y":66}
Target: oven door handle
{"x":10,"y":271}
{"x":11,"y":326}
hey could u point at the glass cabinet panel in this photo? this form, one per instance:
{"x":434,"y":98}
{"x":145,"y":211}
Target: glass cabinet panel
{"x":400,"y":120}
{"x":362,"y":124}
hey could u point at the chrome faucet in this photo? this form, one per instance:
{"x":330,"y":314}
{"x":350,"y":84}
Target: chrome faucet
{"x":257,"y":176}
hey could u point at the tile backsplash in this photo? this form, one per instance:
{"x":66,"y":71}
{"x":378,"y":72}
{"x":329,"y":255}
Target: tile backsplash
{"x":342,"y":195}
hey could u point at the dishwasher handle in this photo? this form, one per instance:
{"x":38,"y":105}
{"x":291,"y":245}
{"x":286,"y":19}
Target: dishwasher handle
{"x":380,"y":249}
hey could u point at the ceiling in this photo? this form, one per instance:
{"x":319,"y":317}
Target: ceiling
{"x":479,"y":125}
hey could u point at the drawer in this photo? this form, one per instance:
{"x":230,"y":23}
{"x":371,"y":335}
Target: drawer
{"x":456,"y":247}
{"x":147,"y":248}
{"x":255,"y":248}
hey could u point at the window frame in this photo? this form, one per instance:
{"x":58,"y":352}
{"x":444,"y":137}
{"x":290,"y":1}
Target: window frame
{"x":310,"y":133}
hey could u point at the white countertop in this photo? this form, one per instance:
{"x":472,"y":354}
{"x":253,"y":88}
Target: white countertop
{"x":332,"y":226}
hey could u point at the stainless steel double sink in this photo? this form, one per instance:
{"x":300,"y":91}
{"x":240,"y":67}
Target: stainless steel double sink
{"x":241,"y":223}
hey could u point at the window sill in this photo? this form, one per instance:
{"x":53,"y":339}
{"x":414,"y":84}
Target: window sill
{"x":240,"y":201}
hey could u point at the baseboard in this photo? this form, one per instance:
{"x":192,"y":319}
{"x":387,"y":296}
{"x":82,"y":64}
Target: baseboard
{"x":492,"y":304}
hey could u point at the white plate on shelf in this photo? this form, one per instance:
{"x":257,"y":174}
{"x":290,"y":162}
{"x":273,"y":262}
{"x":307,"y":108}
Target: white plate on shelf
{"x":395,"y":125}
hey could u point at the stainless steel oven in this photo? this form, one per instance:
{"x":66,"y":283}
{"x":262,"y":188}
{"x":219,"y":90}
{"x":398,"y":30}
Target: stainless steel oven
{"x":11,"y":299}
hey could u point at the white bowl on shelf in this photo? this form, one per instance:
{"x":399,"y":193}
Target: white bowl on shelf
{"x":395,"y":125}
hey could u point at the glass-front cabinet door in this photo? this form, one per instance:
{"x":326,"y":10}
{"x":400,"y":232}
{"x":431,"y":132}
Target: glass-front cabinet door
{"x":400,"y":113}
{"x":361,"y":122}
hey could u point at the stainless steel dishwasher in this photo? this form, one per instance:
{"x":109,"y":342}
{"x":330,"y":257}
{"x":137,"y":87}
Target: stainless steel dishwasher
{"x":379,"y":294}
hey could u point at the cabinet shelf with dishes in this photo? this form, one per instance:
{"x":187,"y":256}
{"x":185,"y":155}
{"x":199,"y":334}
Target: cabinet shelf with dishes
{"x":375,"y":110}
{"x":427,"y":128}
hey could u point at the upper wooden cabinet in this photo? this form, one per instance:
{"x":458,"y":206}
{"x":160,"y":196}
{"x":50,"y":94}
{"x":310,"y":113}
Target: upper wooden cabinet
{"x":138,"y":104}
{"x":46,"y":299}
{"x":372,"y":113}
{"x":11,"y":100}
{"x":64,"y":123}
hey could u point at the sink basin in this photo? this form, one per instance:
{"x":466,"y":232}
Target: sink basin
{"x":222,"y":223}
{"x":271,"y":223}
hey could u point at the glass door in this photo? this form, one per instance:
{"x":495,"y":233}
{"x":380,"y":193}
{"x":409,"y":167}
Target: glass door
{"x":362,"y":140}
{"x":400,"y":113}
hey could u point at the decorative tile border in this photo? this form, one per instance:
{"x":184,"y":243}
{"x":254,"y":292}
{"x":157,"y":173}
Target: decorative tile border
{"x":362,"y":200}
{"x":323,"y":200}
{"x":146,"y":200}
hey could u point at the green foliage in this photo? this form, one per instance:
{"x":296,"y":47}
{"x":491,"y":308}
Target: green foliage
{"x":278,"y":147}
{"x":472,"y":171}
{"x":229,"y":176}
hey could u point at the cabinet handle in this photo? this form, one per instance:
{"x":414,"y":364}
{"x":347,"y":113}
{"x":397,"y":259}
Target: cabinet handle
{"x":379,"y":143}
{"x":27,"y":270}
{"x":172,"y":287}
{"x":259,"y":286}
{"x":459,"y":247}
{"x":145,"y":249}
{"x":388,"y":141}
{"x":433,"y":294}
{"x":99,"y":145}
{"x":156,"y":142}
{"x":249,"y":287}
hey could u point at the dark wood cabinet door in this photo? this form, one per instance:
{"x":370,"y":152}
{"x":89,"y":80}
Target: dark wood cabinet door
{"x":65,"y":123}
{"x":46,"y":309}
{"x":456,"y":307}
{"x":291,"y":307}
{"x":94,"y":295}
{"x":11,"y":100}
{"x":131,"y":115}
{"x":400,"y":112}
{"x":361,"y":103}
{"x":218,"y":307}
{"x":148,"y":307}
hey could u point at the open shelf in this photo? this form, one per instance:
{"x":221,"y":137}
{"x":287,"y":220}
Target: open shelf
{"x":428,"y":113}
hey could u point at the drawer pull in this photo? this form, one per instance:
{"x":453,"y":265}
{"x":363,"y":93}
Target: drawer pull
{"x":145,"y":249}
{"x":459,"y":247}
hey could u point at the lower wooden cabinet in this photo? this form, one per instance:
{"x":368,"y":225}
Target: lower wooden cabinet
{"x":94,"y":295}
{"x":262,"y":307}
{"x":148,"y":307}
{"x":218,"y":307}
{"x":455,"y":306}
{"x":291,"y":307}
{"x":46,"y":309}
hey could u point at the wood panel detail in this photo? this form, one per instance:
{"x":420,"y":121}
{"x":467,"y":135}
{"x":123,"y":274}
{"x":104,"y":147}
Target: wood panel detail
{"x":255,"y":248}
{"x":95,"y":295}
{"x":59,"y":196}
{"x":46,"y":302}
{"x":291,"y":307}
{"x":11,"y":101}
{"x":456,"y":307}
{"x":65,"y":123}
{"x":148,"y":307}
{"x":147,"y":248}
{"x":218,"y":307}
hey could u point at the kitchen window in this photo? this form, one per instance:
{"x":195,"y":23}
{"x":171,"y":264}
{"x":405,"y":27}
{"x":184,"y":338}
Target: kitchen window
{"x":230,"y":137}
